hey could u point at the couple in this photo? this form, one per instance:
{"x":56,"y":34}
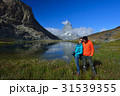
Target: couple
{"x":86,"y":48}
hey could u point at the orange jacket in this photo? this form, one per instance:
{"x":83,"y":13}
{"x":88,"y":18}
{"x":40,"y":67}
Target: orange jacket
{"x":88,"y":48}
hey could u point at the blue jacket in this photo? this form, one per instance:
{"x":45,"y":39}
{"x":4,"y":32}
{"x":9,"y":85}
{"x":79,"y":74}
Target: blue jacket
{"x":78,"y":50}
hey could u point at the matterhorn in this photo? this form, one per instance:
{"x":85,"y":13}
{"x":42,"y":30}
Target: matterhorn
{"x":68,"y":32}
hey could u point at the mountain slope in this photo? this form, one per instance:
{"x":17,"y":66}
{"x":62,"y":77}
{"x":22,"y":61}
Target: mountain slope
{"x":17,"y":22}
{"x":106,"y":36}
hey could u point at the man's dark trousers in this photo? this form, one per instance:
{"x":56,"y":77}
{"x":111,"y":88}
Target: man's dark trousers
{"x":89,"y":58}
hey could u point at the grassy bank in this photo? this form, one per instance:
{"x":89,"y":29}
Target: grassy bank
{"x":106,"y":60}
{"x":34,"y":41}
{"x":95,"y":43}
{"x":5,"y":43}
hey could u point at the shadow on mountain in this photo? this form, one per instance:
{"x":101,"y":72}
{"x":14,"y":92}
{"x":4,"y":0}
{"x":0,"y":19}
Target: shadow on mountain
{"x":24,"y":49}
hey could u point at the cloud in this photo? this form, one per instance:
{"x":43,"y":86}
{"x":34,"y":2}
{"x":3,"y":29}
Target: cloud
{"x":103,"y":29}
{"x":83,"y":31}
{"x":65,"y":22}
{"x":55,"y":31}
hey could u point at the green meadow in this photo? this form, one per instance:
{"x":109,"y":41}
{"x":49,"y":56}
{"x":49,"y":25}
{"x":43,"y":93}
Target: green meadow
{"x":106,"y":61}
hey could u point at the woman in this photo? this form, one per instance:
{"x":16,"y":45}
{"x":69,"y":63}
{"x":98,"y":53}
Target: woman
{"x":78,"y":53}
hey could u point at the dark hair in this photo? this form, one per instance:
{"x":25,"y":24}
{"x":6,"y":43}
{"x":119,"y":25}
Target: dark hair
{"x":85,"y":38}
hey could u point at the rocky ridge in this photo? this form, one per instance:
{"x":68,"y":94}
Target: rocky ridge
{"x":68,"y":33}
{"x":17,"y":22}
{"x":106,"y":36}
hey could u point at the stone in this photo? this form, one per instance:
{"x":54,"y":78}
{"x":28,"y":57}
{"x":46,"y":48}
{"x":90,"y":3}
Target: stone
{"x":17,"y":22}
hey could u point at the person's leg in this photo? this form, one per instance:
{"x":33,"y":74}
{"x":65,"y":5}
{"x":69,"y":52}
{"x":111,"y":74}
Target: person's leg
{"x":77,"y":64}
{"x":91,"y":64}
{"x":84,"y":63}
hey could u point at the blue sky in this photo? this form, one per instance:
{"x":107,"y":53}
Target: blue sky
{"x":96,"y":14}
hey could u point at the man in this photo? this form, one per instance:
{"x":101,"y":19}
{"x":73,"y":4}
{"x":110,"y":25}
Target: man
{"x":88,"y":51}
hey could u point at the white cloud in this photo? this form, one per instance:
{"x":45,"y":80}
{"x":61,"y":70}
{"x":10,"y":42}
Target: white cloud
{"x":65,"y":22}
{"x":103,"y":29}
{"x":83,"y":31}
{"x":55,"y":31}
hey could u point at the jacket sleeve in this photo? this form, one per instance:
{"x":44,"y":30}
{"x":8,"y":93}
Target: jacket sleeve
{"x":79,"y":51}
{"x":92,"y":49}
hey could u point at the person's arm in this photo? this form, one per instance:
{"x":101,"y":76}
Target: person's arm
{"x":80,"y":51}
{"x":92,"y":49}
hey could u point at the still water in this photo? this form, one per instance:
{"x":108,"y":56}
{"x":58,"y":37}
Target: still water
{"x":60,"y":50}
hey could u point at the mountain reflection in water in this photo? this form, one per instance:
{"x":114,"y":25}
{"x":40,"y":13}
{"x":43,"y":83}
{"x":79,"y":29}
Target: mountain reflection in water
{"x":48,"y":51}
{"x":61,"y":50}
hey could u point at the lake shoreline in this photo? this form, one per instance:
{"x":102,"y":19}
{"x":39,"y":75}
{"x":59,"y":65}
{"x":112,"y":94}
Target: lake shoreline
{"x":106,"y":62}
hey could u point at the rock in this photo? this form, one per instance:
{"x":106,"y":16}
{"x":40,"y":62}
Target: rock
{"x":18,"y":22}
{"x":67,"y":27}
{"x":106,"y":36}
{"x":68,"y":32}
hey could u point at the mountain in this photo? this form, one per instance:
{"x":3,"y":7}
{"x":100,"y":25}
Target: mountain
{"x":17,"y":22}
{"x":68,"y":33}
{"x":106,"y":36}
{"x":67,"y":27}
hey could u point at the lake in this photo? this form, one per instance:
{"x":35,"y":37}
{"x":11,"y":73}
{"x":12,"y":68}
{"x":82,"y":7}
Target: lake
{"x":48,"y":51}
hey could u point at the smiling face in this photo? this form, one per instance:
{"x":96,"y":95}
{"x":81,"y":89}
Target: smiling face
{"x":80,"y":40}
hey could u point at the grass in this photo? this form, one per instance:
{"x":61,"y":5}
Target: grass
{"x":34,"y":41}
{"x":106,"y":61}
{"x":95,"y":43}
{"x":5,"y":43}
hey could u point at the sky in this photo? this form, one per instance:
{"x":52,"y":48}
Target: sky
{"x":96,"y":15}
